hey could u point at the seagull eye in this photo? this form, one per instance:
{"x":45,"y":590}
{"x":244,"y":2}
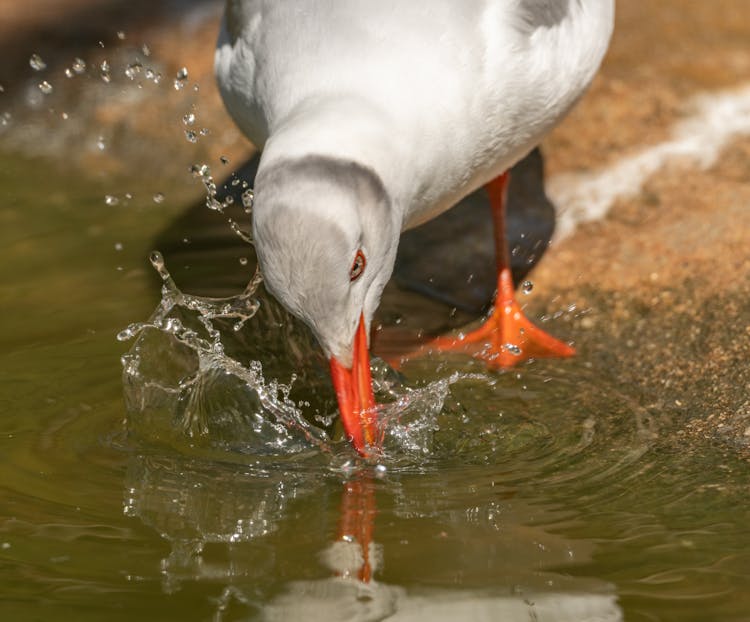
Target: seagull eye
{"x":358,"y":267}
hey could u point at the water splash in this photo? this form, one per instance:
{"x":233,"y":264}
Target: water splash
{"x":194,"y":379}
{"x":204,"y":387}
{"x":37,"y":63}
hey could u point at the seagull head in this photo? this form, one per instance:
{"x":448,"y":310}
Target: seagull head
{"x":326,"y":241}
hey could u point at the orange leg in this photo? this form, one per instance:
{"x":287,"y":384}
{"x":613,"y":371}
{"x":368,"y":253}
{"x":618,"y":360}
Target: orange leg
{"x":507,"y":337}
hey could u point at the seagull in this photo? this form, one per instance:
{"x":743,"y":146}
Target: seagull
{"x":375,"y":116}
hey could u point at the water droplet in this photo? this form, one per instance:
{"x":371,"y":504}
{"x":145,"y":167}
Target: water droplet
{"x":224,"y":159}
{"x":204,"y":131}
{"x":158,"y":197}
{"x":64,"y":116}
{"x":243,"y":261}
{"x":79,"y":65}
{"x":247,"y":199}
{"x":118,"y":246}
{"x":121,"y":35}
{"x":69,"y":72}
{"x":157,"y":261}
{"x":45,"y":87}
{"x":173,"y":325}
{"x":191,"y":136}
{"x":180,"y":78}
{"x":104,"y":71}
{"x":188,"y":119}
{"x":124,"y":335}
{"x":146,"y":50}
{"x":200,"y":170}
{"x":228,"y":200}
{"x":132,"y":70}
{"x":347,"y":538}
{"x":512,"y":348}
{"x":526,"y":287}
{"x":111,"y":199}
{"x":238,"y":230}
{"x":36,"y":62}
{"x":100,"y":144}
{"x":149,"y":73}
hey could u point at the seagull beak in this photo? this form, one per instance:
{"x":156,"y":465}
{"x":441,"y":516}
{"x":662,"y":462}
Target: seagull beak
{"x":354,"y":393}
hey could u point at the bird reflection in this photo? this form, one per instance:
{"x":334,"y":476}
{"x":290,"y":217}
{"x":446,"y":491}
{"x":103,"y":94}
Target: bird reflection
{"x":356,"y":525}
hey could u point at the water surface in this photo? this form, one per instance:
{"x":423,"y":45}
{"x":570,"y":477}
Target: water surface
{"x":547,"y":493}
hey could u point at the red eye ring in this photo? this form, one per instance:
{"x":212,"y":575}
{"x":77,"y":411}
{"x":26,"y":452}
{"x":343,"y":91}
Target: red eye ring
{"x":358,"y":266}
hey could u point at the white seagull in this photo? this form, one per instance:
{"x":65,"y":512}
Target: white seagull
{"x":377,"y":115}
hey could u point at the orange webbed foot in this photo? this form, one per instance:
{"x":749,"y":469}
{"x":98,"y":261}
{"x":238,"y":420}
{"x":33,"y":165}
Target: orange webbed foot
{"x":506,"y":338}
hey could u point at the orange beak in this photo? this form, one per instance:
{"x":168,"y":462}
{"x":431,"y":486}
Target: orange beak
{"x":354,"y":393}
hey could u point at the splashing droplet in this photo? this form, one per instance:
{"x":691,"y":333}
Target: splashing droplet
{"x":104,"y":71}
{"x":132,"y":70}
{"x":157,"y":261}
{"x":247,"y":199}
{"x":128,"y":333}
{"x":36,"y":62}
{"x":180,"y":78}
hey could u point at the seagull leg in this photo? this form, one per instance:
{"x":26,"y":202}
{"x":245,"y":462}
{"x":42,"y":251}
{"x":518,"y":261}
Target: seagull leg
{"x":507,"y":337}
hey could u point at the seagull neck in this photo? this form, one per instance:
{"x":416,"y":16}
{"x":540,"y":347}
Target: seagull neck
{"x":338,"y":128}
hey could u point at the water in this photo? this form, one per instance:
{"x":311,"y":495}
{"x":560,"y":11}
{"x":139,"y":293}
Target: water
{"x":194,"y":469}
{"x":538,"y":494}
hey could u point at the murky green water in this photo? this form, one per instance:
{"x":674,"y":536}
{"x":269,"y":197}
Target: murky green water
{"x":544,"y":494}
